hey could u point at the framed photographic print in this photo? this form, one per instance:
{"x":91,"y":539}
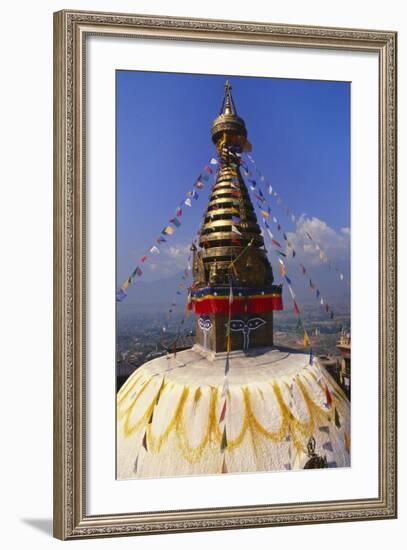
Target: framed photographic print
{"x":225,"y":274}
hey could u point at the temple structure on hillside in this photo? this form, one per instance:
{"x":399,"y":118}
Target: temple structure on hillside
{"x":233,"y":278}
{"x":233,"y":402}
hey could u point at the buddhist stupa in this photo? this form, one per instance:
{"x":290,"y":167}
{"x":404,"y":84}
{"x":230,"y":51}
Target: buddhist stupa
{"x":234,"y":402}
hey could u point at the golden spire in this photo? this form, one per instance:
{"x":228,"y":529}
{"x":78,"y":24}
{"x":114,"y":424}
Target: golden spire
{"x":231,"y":244}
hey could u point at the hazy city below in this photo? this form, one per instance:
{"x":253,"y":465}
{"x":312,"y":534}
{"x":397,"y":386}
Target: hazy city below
{"x":141,"y":335}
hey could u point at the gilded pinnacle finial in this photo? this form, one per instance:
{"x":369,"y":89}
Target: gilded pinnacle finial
{"x":228,"y":106}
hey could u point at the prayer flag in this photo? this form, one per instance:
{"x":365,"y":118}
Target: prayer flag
{"x":276,"y":243}
{"x":281,"y":253}
{"x":270,"y":190}
{"x":168,"y":230}
{"x":291,"y":292}
{"x":208,"y":169}
{"x":284,"y":236}
{"x":121,"y":294}
{"x":294,"y":253}
{"x":205,"y":177}
{"x":224,"y":442}
{"x":227,"y":366}
{"x":237,"y":242}
{"x":306,"y":339}
{"x":213,"y":161}
{"x":265,"y":214}
{"x":145,"y":440}
{"x":161,"y":240}
{"x":126,"y":283}
{"x":199,"y":184}
{"x":143,"y":259}
{"x":296,"y":308}
{"x":311,"y":357}
{"x":154,"y":250}
{"x":236,"y":219}
{"x":176,"y":222}
{"x":311,"y":284}
{"x":235,"y":230}
{"x":282,"y":268}
{"x":288,"y":279}
{"x":138,"y":271}
{"x":341,"y":276}
{"x":178,"y":212}
{"x":328,"y":396}
{"x":188,"y":202}
{"x":223,"y":413}
{"x":337,"y":419}
{"x":225,"y":388}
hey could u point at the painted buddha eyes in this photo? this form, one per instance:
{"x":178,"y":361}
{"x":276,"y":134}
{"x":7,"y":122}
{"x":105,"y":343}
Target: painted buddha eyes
{"x":205,"y":323}
{"x":255,"y":323}
{"x":237,"y":324}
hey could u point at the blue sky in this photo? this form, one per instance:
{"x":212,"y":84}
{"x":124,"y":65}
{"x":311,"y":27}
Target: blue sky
{"x":300,"y":132}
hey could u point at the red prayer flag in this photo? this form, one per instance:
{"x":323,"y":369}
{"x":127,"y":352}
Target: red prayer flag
{"x":143,"y":259}
{"x":223,"y":413}
{"x":328,"y":396}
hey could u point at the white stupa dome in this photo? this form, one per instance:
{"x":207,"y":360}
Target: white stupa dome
{"x":172,"y":418}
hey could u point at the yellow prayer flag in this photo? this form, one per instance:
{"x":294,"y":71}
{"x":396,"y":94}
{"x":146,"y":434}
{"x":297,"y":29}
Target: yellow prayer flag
{"x":125,"y":285}
{"x":169,"y":230}
{"x":282,"y":269}
{"x":306,"y":339}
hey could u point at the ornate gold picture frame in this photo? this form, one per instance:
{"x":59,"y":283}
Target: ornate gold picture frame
{"x":71,"y":31}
